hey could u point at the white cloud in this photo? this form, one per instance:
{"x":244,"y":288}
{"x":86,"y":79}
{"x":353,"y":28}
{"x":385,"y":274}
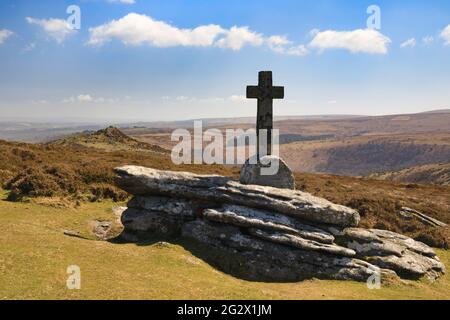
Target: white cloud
{"x":411,"y":43}
{"x":135,"y":29}
{"x":428,"y":40}
{"x":123,"y":1}
{"x":5,"y":34}
{"x":238,"y":98}
{"x":445,"y":34}
{"x":58,"y":29}
{"x":276,"y":41}
{"x":86,"y":98}
{"x":30,"y":47}
{"x":237,"y":37}
{"x":138,"y":29}
{"x":299,"y":50}
{"x":68,"y":100}
{"x":360,"y":40}
{"x":282,"y":45}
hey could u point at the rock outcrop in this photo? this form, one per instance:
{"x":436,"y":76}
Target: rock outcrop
{"x":264,"y":233}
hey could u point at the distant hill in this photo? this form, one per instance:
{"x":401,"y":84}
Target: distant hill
{"x":356,"y":146}
{"x":438,"y":174}
{"x":109,"y":139}
{"x":364,"y":155}
{"x":70,"y":170}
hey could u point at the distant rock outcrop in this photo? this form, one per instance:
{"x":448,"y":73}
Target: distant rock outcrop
{"x":108,"y":139}
{"x":264,"y":233}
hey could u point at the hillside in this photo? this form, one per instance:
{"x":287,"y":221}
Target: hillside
{"x":438,"y":174}
{"x":364,"y":155}
{"x":77,"y":173}
{"x":354,"y":156}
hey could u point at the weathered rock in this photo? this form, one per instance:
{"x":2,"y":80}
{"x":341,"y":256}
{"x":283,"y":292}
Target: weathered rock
{"x":102,"y":230}
{"x":390,"y":250}
{"x":408,"y":213}
{"x":251,"y":173}
{"x":177,"y":207}
{"x":300,"y":243}
{"x":411,"y":265}
{"x":259,"y":260}
{"x":264,"y":233}
{"x":117,"y":212}
{"x":139,"y":224}
{"x":145,"y":181}
{"x":254,"y":218}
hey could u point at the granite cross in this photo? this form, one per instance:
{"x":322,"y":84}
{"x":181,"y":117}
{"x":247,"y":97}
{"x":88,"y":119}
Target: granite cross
{"x":265,"y":92}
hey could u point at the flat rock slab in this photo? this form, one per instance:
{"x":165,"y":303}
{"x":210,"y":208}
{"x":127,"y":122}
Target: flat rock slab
{"x":265,"y":233}
{"x":146,"y":181}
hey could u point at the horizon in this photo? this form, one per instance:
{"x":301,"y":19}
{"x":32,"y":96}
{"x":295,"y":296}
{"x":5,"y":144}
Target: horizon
{"x":90,"y":121}
{"x":98,"y":121}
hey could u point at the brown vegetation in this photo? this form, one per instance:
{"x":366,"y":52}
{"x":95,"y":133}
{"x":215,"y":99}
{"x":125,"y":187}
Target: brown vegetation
{"x":438,"y":174}
{"x":379,"y":203}
{"x":83,"y":173}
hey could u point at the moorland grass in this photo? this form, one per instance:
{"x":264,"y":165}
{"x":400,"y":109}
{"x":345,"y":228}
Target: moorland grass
{"x":35,"y":253}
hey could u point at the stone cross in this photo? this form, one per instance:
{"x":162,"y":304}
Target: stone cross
{"x":265,"y":92}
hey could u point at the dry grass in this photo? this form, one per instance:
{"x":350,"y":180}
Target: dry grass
{"x":35,"y":254}
{"x":75,"y":171}
{"x":378,"y":202}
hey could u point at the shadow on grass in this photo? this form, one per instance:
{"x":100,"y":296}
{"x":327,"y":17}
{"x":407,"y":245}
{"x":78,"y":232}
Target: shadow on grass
{"x":233,"y":264}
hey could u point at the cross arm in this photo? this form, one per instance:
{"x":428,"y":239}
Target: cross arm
{"x":253,"y":92}
{"x":278,"y":92}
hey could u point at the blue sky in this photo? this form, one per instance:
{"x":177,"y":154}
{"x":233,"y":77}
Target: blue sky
{"x":166,"y":60}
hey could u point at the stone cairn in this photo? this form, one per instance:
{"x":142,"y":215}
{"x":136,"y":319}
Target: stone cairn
{"x":263,"y":233}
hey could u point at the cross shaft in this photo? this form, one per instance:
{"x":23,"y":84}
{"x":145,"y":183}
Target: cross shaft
{"x":265,"y":92}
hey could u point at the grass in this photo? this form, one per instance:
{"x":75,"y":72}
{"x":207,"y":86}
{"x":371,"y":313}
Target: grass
{"x":34,"y":255}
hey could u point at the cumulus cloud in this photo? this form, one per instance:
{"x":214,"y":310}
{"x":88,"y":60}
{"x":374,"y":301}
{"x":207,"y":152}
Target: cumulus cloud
{"x":137,"y":29}
{"x":57,"y":29}
{"x":282,"y":45}
{"x":411,"y":43}
{"x":5,"y":34}
{"x":445,"y":34}
{"x":360,"y":40}
{"x":237,"y":37}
